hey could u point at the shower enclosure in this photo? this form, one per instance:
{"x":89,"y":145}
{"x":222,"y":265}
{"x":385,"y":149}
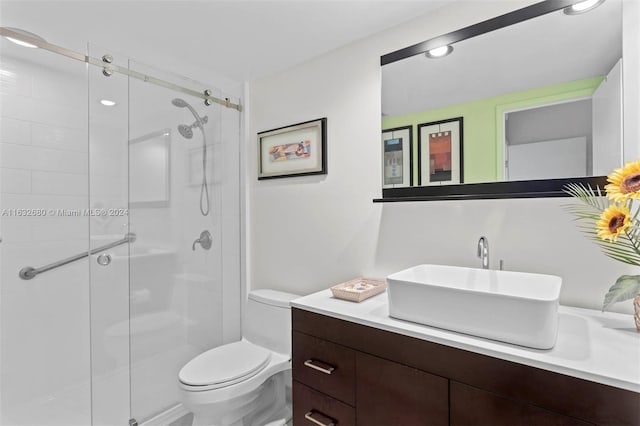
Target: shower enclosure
{"x":119,"y":227}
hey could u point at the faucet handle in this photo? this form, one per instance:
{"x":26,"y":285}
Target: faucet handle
{"x":483,"y":251}
{"x":483,"y":246}
{"x":205,"y":241}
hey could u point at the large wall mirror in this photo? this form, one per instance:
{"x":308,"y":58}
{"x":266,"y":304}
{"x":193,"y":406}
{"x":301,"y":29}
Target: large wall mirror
{"x":521,"y":105}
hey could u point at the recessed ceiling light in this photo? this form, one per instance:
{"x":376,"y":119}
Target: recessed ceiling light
{"x":439,"y":52}
{"x":21,"y":42}
{"x":582,"y":7}
{"x":107,"y":102}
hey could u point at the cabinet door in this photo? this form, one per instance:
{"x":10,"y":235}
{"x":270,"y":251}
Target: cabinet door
{"x":391,"y":394}
{"x":475,"y":407}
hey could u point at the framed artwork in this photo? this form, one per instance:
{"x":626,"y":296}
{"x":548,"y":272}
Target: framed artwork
{"x":440,"y":152}
{"x":397,"y":157}
{"x":296,"y":150}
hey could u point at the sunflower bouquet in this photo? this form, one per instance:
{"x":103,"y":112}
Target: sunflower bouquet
{"x":611,"y":220}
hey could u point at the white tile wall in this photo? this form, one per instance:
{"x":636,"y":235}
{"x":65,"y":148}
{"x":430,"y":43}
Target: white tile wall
{"x":53,"y":183}
{"x":32,"y":157}
{"x":13,"y":79}
{"x":44,"y":334}
{"x":15,"y":181}
{"x":15,"y":131}
{"x":57,"y":137}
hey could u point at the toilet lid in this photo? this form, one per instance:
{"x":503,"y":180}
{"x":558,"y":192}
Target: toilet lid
{"x":226,"y":363}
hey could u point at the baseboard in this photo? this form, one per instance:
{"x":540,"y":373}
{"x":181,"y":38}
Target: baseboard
{"x":167,"y":417}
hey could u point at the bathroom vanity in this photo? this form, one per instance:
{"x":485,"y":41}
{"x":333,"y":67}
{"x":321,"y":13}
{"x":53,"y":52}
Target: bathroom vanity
{"x":353,"y":364}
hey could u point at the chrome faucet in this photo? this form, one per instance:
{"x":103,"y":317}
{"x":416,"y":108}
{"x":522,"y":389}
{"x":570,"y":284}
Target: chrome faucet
{"x":483,"y":251}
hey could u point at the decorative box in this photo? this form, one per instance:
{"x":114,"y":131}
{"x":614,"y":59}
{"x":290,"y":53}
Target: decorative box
{"x":358,"y":289}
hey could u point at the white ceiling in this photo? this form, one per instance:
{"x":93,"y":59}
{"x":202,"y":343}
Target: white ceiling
{"x":236,"y":40}
{"x":551,"y":49}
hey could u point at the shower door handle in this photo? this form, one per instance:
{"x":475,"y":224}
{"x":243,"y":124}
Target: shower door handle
{"x":104,"y":259}
{"x":29,"y":272}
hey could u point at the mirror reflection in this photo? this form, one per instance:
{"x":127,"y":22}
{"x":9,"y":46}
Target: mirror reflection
{"x":541,"y":99}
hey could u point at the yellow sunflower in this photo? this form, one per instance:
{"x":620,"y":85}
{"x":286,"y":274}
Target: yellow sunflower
{"x":613,"y":222}
{"x":624,"y":182}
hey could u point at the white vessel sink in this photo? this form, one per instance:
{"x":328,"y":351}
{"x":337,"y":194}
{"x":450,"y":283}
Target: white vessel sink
{"x":512,"y":307}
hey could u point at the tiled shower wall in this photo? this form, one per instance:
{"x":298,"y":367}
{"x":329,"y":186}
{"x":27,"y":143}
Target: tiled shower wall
{"x":44,"y":322}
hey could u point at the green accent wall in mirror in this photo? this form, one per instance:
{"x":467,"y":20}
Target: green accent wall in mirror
{"x":483,"y":127}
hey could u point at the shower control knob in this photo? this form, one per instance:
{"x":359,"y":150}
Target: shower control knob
{"x":205,"y":241}
{"x":104,"y":259}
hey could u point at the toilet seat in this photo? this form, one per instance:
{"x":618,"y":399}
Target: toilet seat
{"x":224,"y":366}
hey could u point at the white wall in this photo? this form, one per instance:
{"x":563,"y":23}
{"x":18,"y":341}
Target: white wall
{"x":308,"y":233}
{"x":631,"y":82}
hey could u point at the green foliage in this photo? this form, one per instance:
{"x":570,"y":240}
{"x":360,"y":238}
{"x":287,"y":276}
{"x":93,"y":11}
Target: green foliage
{"x":625,"y":288}
{"x":625,"y":249}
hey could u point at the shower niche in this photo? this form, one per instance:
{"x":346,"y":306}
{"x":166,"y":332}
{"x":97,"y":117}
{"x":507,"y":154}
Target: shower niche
{"x":151,"y":175}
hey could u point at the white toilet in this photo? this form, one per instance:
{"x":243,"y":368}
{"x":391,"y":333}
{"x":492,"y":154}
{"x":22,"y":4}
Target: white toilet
{"x":247,"y":382}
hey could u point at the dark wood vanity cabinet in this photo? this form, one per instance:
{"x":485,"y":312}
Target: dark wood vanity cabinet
{"x":349,"y":374}
{"x":388,"y":393}
{"x":470,"y":406}
{"x":336,"y":384}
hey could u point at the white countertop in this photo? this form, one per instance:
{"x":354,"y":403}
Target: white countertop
{"x":595,"y":346}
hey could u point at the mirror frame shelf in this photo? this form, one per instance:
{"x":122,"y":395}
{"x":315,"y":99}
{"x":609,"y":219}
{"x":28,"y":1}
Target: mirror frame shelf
{"x":490,"y":190}
{"x":494,"y":190}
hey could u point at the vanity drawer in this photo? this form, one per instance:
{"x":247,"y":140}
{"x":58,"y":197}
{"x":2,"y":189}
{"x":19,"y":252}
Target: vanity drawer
{"x":324,"y":366}
{"x":312,"y":408}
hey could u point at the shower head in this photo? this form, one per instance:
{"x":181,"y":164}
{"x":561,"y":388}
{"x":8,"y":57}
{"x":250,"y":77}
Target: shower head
{"x":187,"y":130}
{"x":180,"y":103}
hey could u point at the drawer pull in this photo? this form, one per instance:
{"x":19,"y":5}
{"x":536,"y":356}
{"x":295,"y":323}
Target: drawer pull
{"x":320,"y":366}
{"x":319,"y":418}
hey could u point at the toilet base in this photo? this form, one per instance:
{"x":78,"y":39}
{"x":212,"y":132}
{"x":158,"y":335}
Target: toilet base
{"x":261,"y":406}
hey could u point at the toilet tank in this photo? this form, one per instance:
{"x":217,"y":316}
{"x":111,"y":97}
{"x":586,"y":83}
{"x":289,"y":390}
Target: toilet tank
{"x":267,"y":319}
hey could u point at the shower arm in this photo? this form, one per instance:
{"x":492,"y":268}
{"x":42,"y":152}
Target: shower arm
{"x":199,"y":120}
{"x":29,"y":272}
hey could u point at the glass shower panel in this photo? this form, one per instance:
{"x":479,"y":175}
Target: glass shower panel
{"x":130,"y":179}
{"x":108,"y":101}
{"x":44,"y":321}
{"x":175,"y":280}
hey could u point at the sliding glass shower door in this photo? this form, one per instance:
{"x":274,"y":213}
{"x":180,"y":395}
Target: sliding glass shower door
{"x":155,"y":179}
{"x":109,"y":221}
{"x":175,"y":209}
{"x":119,"y":235}
{"x":44,"y":317}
